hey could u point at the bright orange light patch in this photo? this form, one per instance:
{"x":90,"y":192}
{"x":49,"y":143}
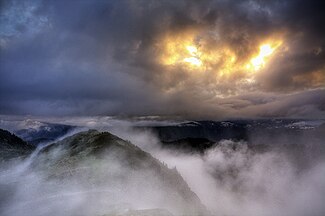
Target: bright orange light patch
{"x":181,"y":50}
{"x":193,"y":53}
{"x":259,"y":61}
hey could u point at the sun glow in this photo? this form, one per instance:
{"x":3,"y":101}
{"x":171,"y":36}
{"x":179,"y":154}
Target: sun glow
{"x":265,"y":52}
{"x":192,"y":53}
{"x":181,"y":50}
{"x":192,"y":50}
{"x":194,"y":59}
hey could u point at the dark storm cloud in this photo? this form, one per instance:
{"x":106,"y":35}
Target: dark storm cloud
{"x":100,"y":57}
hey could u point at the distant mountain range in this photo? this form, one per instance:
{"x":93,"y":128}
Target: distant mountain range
{"x":201,"y":135}
{"x":197,"y":135}
{"x":236,"y":130}
{"x":44,"y":133}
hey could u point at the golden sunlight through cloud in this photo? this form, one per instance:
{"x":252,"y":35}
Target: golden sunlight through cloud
{"x":192,"y":53}
{"x":265,"y":51}
{"x":181,"y":50}
{"x":194,"y":59}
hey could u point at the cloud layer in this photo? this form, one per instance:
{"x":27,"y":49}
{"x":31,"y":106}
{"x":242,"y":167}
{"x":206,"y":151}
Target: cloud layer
{"x":126,"y":58}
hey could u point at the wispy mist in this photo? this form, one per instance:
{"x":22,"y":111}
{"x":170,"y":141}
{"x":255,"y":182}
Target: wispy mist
{"x":232,"y":178}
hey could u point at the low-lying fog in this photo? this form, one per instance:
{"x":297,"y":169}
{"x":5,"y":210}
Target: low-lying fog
{"x":229,"y":181}
{"x":243,"y":182}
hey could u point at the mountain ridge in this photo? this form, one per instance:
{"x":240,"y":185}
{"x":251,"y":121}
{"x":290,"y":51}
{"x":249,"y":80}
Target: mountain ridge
{"x":11,"y":146}
{"x":99,"y":162}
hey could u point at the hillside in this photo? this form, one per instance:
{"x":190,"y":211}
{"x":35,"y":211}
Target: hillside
{"x":94,"y":173}
{"x":12,"y":146}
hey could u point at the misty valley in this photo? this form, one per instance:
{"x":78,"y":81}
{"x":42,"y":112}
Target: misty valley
{"x":162,"y":108}
{"x":105,"y":166}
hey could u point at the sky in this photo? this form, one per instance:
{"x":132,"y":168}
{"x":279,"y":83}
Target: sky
{"x":208,"y":59}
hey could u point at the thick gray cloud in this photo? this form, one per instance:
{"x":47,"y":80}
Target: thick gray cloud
{"x":104,"y":58}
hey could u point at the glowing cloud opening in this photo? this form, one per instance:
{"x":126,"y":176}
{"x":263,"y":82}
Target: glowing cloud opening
{"x":194,"y":59}
{"x":220,"y":61}
{"x":266,"y":50}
